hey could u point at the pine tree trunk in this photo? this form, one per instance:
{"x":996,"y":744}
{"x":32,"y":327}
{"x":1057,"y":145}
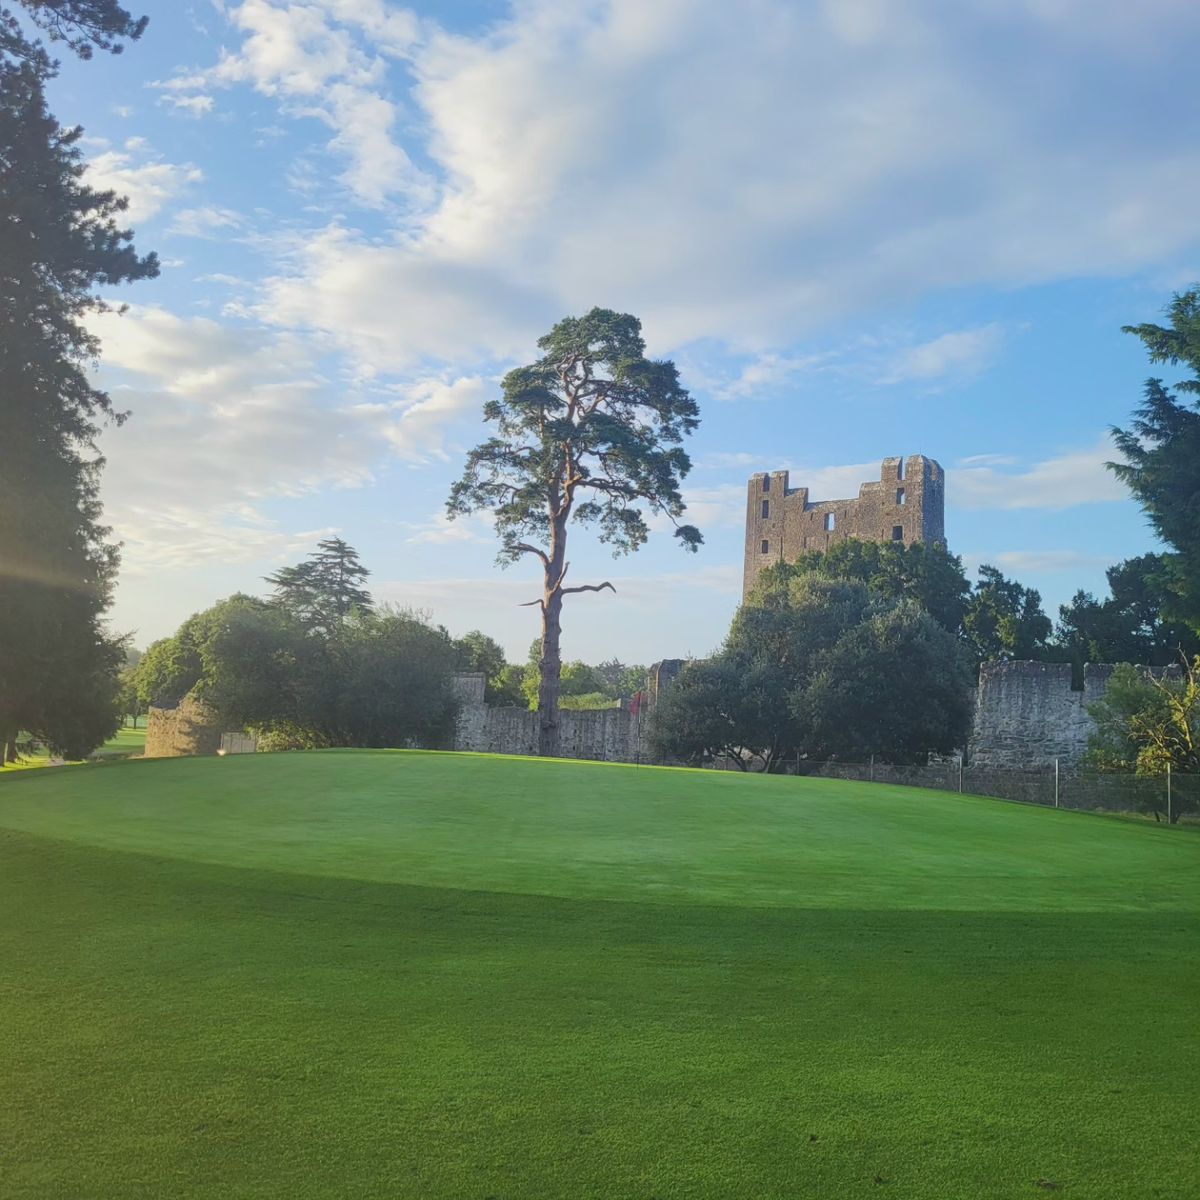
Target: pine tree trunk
{"x":10,"y":748}
{"x":550,"y":670}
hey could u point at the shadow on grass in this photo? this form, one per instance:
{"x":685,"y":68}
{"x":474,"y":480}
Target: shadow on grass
{"x":175,"y":1028}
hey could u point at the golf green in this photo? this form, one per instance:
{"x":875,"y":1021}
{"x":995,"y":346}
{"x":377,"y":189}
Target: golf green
{"x":395,"y":974}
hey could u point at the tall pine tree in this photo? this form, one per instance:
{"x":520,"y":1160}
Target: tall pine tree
{"x":59,"y":241}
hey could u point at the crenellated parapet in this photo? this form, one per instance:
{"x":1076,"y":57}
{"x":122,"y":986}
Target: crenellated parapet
{"x":906,"y":504}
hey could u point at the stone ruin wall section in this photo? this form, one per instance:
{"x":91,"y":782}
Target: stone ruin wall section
{"x":906,"y":504}
{"x":187,"y":729}
{"x":1028,"y":715}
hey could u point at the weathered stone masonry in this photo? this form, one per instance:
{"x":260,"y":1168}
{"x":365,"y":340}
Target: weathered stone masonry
{"x":906,"y":504}
{"x":1028,"y":715}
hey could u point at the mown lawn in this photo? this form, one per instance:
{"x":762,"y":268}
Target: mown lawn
{"x":125,"y":742}
{"x":405,"y":974}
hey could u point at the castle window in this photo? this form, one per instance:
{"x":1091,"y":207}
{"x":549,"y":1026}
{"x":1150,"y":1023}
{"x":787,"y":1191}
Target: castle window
{"x":830,"y":522}
{"x":766,"y":509}
{"x":766,"y":483}
{"x":900,"y":496}
{"x":897,"y":533}
{"x":766,"y":546}
{"x":900,"y":468}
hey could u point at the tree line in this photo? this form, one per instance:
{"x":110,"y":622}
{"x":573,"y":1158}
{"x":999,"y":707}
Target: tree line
{"x":318,"y":663}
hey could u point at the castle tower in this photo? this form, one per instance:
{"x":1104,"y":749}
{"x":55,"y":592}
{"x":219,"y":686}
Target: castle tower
{"x":906,"y":504}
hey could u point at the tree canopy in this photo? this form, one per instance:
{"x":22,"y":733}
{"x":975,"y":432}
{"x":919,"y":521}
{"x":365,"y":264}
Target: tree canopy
{"x":60,"y":241}
{"x":816,"y":668}
{"x":589,"y":434}
{"x":1149,"y":722}
{"x":997,"y":618}
{"x":1161,"y":449}
{"x":324,"y":589}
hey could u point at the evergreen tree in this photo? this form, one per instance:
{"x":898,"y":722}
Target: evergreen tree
{"x":59,"y":241}
{"x":1162,"y":449}
{"x":591,"y":433}
{"x":326,"y":588}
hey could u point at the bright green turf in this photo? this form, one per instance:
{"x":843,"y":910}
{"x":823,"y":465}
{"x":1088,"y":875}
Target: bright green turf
{"x":355,"y":974}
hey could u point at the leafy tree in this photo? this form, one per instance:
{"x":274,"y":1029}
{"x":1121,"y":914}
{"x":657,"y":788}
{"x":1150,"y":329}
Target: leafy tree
{"x":129,"y":703}
{"x":59,"y":241}
{"x":620,"y":680}
{"x":815,"y":667}
{"x":173,"y":666}
{"x":576,"y":679}
{"x":589,"y":434}
{"x":1149,"y":723}
{"x":326,"y":588}
{"x":509,"y":688}
{"x":384,"y":681}
{"x":1132,"y":625}
{"x":714,"y":709}
{"x":927,"y":574}
{"x":896,"y":685}
{"x":478,"y":652}
{"x":1004,"y":620}
{"x":1161,"y":448}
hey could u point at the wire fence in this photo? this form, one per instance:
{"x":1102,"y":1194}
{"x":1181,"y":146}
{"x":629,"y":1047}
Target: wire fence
{"x":1171,"y":797}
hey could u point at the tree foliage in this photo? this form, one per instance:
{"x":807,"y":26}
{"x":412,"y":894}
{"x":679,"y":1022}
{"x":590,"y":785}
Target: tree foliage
{"x":927,"y":574}
{"x":1149,"y":722}
{"x":997,"y":618}
{"x":1004,"y":619}
{"x":324,"y":589}
{"x":1132,"y":625}
{"x":85,"y":26}
{"x":383,"y":679}
{"x":589,"y":434}
{"x":1161,"y":449}
{"x":816,"y":668}
{"x":60,"y":240}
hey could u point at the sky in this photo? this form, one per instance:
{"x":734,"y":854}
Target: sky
{"x":861,"y":228}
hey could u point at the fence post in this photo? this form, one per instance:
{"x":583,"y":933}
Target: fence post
{"x":872,"y":768}
{"x":960,"y":774}
{"x":1168,"y":793}
{"x":1056,"y":783}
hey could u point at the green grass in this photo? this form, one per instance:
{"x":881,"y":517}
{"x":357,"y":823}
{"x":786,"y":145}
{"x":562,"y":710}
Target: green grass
{"x":401,"y":974}
{"x":127,"y":741}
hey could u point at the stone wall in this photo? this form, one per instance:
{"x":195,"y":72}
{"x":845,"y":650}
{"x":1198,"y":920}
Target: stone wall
{"x":906,"y":504}
{"x":605,"y":735}
{"x":188,"y":728}
{"x":1027,"y":714}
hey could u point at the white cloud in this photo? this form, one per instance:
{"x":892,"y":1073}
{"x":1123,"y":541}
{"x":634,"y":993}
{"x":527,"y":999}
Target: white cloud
{"x":195,"y":105}
{"x":224,"y":419}
{"x":390,"y":307}
{"x":136,"y":172}
{"x":894,"y":159}
{"x":960,"y":354}
{"x":767,"y":372}
{"x":206,"y":221}
{"x":414,"y":427}
{"x":439,"y":530}
{"x":1072,"y":478}
{"x":323,"y":60}
{"x":1044,"y":560}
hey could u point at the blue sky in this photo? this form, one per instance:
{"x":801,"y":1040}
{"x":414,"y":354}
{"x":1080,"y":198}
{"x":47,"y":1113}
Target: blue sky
{"x":861,"y":228}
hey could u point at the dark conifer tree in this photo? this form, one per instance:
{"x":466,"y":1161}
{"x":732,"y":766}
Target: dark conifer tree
{"x":59,"y":241}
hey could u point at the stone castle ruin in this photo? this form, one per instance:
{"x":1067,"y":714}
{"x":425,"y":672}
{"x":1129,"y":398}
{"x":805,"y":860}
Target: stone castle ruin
{"x":906,"y":504}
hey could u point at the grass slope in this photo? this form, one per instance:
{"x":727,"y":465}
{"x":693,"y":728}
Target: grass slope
{"x":394,"y":974}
